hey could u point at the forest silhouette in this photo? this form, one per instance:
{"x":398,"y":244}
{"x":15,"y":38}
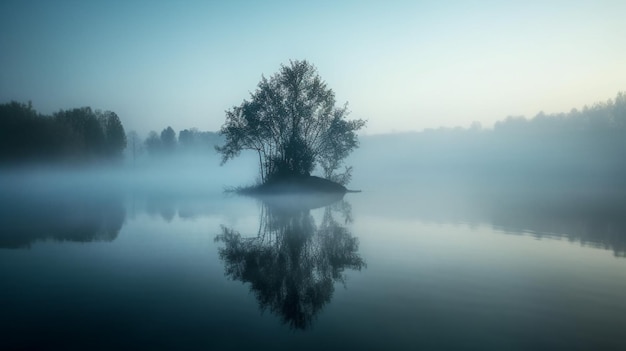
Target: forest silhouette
{"x":75,"y":135}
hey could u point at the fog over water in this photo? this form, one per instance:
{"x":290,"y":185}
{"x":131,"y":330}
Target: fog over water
{"x":425,"y":177}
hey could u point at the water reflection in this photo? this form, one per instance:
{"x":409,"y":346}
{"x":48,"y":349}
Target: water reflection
{"x":59,"y":217}
{"x":599,"y":223}
{"x":590,"y":217}
{"x":292,"y":264}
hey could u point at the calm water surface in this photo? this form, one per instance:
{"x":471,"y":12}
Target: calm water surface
{"x":420,"y":269}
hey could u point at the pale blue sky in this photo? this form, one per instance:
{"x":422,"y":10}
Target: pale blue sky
{"x":402,"y":65}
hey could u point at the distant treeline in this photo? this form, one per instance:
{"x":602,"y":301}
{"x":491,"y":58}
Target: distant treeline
{"x":586,"y":142}
{"x":581,"y":143}
{"x":76,"y":135}
{"x":188,"y":140}
{"x":83,"y":135}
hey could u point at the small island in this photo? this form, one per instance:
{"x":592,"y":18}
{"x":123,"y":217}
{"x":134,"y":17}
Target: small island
{"x":292,"y":124}
{"x":304,"y":184}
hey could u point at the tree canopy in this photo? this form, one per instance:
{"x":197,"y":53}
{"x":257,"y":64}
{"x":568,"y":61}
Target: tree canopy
{"x":292,"y":123}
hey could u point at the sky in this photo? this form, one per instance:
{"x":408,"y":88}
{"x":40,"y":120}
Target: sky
{"x":401,"y":65}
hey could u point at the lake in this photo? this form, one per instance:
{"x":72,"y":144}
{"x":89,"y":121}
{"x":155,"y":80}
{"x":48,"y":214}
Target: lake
{"x":428,"y":266}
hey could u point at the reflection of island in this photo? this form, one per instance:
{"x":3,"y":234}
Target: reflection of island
{"x":292,"y":264}
{"x":60,"y":217}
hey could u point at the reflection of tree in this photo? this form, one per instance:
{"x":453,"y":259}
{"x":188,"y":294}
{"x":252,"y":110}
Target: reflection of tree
{"x":168,"y":206}
{"x":62,"y":217}
{"x":292,"y":264}
{"x":165,"y":207}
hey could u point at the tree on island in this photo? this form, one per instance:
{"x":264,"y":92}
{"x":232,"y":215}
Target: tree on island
{"x":293,"y":125}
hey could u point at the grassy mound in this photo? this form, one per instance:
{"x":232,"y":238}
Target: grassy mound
{"x":310,"y":184}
